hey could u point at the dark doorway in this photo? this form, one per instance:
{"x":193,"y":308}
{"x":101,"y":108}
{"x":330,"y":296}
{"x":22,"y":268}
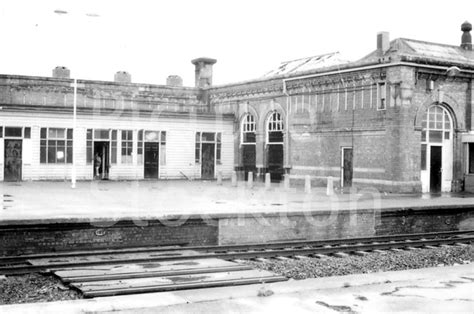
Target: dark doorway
{"x":435,"y":169}
{"x":101,"y":164}
{"x":275,"y":162}
{"x":347,"y":167}
{"x":12,"y":170}
{"x":208,"y":160}
{"x":151,"y":160}
{"x":249,"y":159}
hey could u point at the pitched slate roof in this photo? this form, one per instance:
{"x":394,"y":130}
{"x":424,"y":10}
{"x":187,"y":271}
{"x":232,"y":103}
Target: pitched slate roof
{"x":424,"y":52}
{"x":307,"y":64}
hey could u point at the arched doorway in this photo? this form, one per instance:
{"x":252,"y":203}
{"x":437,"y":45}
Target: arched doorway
{"x":248,"y":142}
{"x":437,"y":150}
{"x":275,"y":146}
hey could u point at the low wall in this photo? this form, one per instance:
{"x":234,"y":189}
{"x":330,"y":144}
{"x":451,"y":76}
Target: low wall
{"x":67,"y":236}
{"x":42,"y":237}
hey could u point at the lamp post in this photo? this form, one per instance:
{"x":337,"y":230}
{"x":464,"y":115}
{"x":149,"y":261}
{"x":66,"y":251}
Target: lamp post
{"x":74,"y":116}
{"x":74,"y":125}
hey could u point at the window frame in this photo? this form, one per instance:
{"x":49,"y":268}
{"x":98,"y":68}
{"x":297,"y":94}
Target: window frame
{"x":217,"y":141}
{"x":126,"y":141}
{"x":470,"y":158}
{"x":50,"y":143}
{"x":248,"y":126}
{"x":382,"y":101}
{"x":274,"y":126}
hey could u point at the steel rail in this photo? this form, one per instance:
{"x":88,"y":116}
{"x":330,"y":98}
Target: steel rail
{"x":234,"y":247}
{"x":285,"y":252}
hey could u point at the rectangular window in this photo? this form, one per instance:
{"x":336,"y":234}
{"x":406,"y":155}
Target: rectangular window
{"x":249,"y":137}
{"x":197,"y":152}
{"x":436,"y":136}
{"x":13,"y":132}
{"x":218,"y":148}
{"x":215,"y":138}
{"x":140,"y":147}
{"x":1,"y":131}
{"x":423,"y":156}
{"x":127,"y":146}
{"x":27,"y":133}
{"x":382,"y":100}
{"x":56,"y":145}
{"x":152,"y":136}
{"x":101,"y":134}
{"x":471,"y":157}
{"x":88,"y":145}
{"x":208,"y":137}
{"x":163,"y":148}
{"x":113,"y":142}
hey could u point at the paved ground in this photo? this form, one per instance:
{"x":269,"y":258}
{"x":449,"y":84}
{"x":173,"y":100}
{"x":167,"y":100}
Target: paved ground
{"x":146,"y":199}
{"x":439,"y":289}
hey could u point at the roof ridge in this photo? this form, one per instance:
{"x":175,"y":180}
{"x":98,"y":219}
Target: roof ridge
{"x":321,"y":55}
{"x":427,"y":42}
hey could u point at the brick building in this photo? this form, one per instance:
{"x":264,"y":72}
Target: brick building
{"x":399,"y":119}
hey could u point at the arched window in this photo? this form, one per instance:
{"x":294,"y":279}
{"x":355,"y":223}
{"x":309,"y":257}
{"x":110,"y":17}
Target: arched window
{"x":248,"y":129}
{"x":436,"y":125}
{"x":436,"y":130}
{"x":275,"y":128}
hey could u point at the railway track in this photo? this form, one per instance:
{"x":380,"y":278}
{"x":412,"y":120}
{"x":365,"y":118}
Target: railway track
{"x":55,"y":261}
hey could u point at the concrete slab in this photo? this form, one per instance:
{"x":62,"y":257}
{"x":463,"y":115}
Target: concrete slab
{"x":144,"y":267}
{"x":438,"y":289}
{"x":171,"y":280}
{"x":33,"y":202}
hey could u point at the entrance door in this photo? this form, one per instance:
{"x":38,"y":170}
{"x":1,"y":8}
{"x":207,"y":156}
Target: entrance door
{"x":275,"y":162}
{"x":248,"y":159}
{"x":151,"y":160}
{"x":347,"y":167}
{"x":101,"y":160}
{"x":12,"y":170}
{"x":207,"y":162}
{"x":435,"y":169}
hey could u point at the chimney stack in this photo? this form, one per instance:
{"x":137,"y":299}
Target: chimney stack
{"x":61,"y":72}
{"x":383,"y":42}
{"x":123,"y":77}
{"x":203,"y":77}
{"x":174,"y":80}
{"x":466,"y":40}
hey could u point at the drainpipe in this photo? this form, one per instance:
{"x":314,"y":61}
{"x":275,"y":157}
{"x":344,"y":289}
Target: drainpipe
{"x":287,"y":151}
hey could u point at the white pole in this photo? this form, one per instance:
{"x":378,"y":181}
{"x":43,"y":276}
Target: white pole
{"x":73,"y":173}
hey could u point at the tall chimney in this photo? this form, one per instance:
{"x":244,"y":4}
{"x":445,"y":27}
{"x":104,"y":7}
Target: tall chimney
{"x":61,"y":72}
{"x":383,"y":42}
{"x":466,"y":40}
{"x":203,"y":77}
{"x":123,"y":77}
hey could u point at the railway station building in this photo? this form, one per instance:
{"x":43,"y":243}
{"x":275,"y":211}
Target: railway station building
{"x":400,"y":120}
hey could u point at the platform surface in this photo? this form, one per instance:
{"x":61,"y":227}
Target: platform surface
{"x":33,"y":202}
{"x":427,"y":290}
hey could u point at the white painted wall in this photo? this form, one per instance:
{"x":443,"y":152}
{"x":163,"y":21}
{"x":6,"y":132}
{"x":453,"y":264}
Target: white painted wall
{"x":180,"y":143}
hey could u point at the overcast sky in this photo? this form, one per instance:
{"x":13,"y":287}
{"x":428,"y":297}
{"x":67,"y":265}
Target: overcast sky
{"x":154,"y":39}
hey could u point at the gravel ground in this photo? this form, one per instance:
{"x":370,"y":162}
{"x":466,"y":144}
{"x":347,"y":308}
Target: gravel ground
{"x":40,"y":288}
{"x":374,"y":262}
{"x":34,"y":288}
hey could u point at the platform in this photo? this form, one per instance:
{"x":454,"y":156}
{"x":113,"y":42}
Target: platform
{"x":40,"y":217}
{"x":438,"y":289}
{"x":55,"y":202}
